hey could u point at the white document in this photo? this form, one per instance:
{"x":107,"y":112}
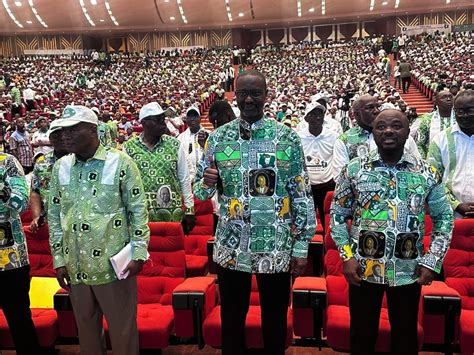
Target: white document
{"x":120,"y":261}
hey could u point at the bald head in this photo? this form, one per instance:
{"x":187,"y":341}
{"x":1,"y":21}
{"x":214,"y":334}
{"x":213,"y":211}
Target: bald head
{"x":366,"y":108}
{"x":391,"y":130}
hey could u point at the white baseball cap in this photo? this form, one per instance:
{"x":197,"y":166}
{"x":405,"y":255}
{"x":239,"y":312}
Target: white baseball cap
{"x":54,"y":126}
{"x":314,"y":105}
{"x":193,"y":108}
{"x":151,"y":109}
{"x":72,"y":115}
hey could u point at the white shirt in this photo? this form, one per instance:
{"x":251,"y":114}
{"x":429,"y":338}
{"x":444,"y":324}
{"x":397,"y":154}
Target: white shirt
{"x":341,"y":154}
{"x":185,"y":181}
{"x":189,"y":141}
{"x":39,"y":136}
{"x":318,"y":152}
{"x":329,"y":123}
{"x":460,"y":178}
{"x":29,"y":94}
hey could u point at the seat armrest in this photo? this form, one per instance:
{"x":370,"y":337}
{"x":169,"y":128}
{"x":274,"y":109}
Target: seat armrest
{"x":316,"y":254}
{"x":62,"y":302}
{"x":211,"y":264}
{"x":442,"y":302}
{"x":309,"y":299}
{"x":192,"y":301}
{"x":66,"y":318}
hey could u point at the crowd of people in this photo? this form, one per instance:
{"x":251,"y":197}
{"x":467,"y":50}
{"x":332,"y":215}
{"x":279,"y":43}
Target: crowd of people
{"x":301,"y":124}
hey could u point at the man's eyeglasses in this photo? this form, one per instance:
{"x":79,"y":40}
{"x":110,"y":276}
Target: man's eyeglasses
{"x":372,"y":107}
{"x":243,"y":94}
{"x":464,"y":111}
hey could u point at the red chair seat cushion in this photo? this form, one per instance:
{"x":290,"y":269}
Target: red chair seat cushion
{"x":466,"y":337}
{"x":46,"y":325}
{"x":253,"y":328}
{"x":196,"y":265}
{"x":338,"y":333}
{"x":155,"y":323}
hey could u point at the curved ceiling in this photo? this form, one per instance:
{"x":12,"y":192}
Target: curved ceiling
{"x":78,"y":16}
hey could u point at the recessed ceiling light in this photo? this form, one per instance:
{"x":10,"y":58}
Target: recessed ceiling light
{"x":167,"y":0}
{"x":101,"y":20}
{"x":29,"y":22}
{"x":93,"y":2}
{"x":241,"y":14}
{"x":172,"y":18}
{"x":18,"y":3}
{"x":385,"y":3}
{"x":311,"y":10}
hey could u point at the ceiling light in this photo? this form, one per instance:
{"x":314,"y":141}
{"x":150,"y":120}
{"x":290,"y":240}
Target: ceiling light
{"x":448,"y":1}
{"x":298,"y":5}
{"x":172,"y":18}
{"x":29,"y":22}
{"x":229,"y":14}
{"x":93,"y":2}
{"x":323,"y":7}
{"x":241,"y":14}
{"x":5,"y":5}
{"x":385,"y":3}
{"x":101,"y":20}
{"x":86,"y":15}
{"x":111,"y":15}
{"x":397,"y":3}
{"x":18,"y":3}
{"x":372,"y":4}
{"x":181,"y":11}
{"x":311,"y":10}
{"x":38,"y":17}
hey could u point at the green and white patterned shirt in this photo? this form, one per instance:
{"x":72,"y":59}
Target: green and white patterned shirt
{"x":13,"y":252}
{"x":387,"y":207}
{"x":452,"y":153}
{"x":95,"y":208}
{"x":165,"y":174}
{"x":266,"y":211}
{"x":42,"y":175}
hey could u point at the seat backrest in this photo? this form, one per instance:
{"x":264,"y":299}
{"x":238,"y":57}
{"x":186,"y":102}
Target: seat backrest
{"x":166,"y":248}
{"x":459,"y":261}
{"x":39,"y":253}
{"x":203,"y":210}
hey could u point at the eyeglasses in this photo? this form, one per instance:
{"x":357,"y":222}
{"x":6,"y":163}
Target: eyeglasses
{"x":372,"y":107}
{"x":464,"y":111}
{"x":254,"y":94}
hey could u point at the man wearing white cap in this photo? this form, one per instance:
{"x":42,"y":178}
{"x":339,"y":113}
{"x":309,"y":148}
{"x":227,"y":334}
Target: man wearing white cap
{"x":163,"y":164}
{"x":96,"y":205}
{"x":318,"y":143}
{"x":193,"y":138}
{"x":41,"y":176}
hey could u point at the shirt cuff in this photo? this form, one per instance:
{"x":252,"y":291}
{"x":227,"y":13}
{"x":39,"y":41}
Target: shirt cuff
{"x":58,"y":261}
{"x":139,"y":254}
{"x":423,"y":262}
{"x":189,"y":210}
{"x":300,"y":249}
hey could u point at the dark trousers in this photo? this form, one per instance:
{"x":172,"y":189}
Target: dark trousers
{"x":319,"y":194}
{"x":30,"y":105}
{"x":406,"y":82}
{"x":274,"y":291}
{"x":365,"y":302}
{"x":15,"y":303}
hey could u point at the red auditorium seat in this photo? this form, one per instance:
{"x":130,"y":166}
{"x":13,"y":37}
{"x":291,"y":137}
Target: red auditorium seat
{"x":322,"y":304}
{"x":459,"y":274}
{"x":195,"y":244}
{"x":45,"y":319}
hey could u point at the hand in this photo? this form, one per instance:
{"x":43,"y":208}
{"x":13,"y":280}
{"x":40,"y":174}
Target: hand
{"x":425,"y":275}
{"x":466,"y":209}
{"x":353,"y":272}
{"x":134,"y":266}
{"x":298,"y":265}
{"x":211,"y":174}
{"x":189,"y":221}
{"x":202,"y":138}
{"x":63,"y":278}
{"x":34,"y":225}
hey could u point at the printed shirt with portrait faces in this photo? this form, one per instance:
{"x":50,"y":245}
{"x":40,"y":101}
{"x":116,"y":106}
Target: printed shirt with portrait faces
{"x":13,"y":252}
{"x":95,"y":208}
{"x":266,"y":211}
{"x":387,"y":208}
{"x":164,"y":168}
{"x":42,"y":176}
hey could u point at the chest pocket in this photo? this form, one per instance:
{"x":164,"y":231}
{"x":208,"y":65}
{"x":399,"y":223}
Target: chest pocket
{"x":228,"y":156}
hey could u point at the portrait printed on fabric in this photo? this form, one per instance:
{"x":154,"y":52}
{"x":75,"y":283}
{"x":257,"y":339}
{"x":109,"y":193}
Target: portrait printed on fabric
{"x":163,"y":198}
{"x":371,"y":244}
{"x":405,"y":247}
{"x":262,"y":182}
{"x":9,"y":259}
{"x":236,"y":210}
{"x":374,"y":271}
{"x":6,"y":235}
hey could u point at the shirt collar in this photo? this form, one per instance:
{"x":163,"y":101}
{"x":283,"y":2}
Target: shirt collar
{"x":100,"y":154}
{"x":406,"y":158}
{"x":256,"y":125}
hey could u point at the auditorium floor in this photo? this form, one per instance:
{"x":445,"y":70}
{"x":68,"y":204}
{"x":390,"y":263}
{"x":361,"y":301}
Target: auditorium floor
{"x":191,"y":349}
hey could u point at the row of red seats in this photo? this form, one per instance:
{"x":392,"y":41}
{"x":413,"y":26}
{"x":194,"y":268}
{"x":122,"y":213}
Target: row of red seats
{"x":427,"y":91}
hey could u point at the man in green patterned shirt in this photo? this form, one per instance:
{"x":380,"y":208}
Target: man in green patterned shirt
{"x":385,"y":194}
{"x":96,"y":207}
{"x":42,"y":175}
{"x":14,"y":264}
{"x":163,"y":163}
{"x":267,"y":215}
